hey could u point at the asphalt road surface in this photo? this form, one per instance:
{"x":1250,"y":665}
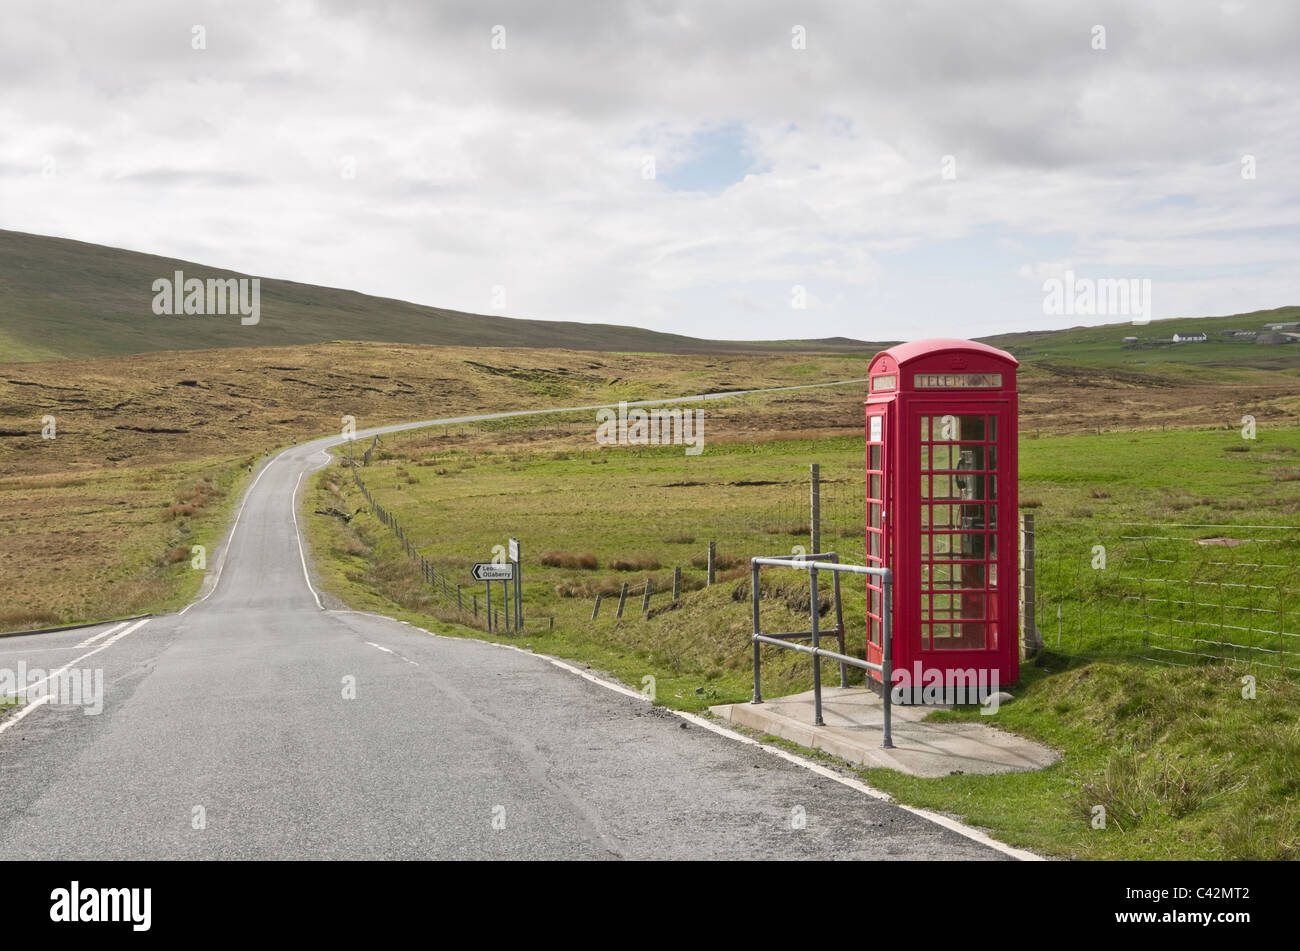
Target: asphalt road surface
{"x":227,"y":732}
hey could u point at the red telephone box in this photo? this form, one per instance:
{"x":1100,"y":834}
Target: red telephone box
{"x":942,"y":513}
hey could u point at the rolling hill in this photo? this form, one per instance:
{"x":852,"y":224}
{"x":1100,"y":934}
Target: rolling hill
{"x":64,"y":299}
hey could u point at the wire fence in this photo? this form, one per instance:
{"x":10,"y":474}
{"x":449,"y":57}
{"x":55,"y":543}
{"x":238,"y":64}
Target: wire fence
{"x":1171,"y":593}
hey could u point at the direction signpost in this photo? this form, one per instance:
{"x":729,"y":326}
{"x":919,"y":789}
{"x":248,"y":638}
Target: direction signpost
{"x":506,"y":572}
{"x":489,"y":571}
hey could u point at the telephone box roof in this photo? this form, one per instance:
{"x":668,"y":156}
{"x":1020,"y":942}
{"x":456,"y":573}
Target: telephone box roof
{"x":905,"y":353}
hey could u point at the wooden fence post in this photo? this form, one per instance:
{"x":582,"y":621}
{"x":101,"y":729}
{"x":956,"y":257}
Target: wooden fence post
{"x":645,"y":601}
{"x":622,"y":599}
{"x":677,"y":583}
{"x":596,"y":609}
{"x":713,"y":557}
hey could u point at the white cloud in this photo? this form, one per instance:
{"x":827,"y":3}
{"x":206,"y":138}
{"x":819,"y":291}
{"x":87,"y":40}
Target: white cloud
{"x":523,"y":167}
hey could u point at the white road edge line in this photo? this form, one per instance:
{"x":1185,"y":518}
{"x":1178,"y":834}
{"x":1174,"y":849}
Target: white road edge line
{"x":381,"y":647}
{"x":293,"y":510}
{"x":18,"y":717}
{"x":94,"y":637}
{"x":953,"y":825}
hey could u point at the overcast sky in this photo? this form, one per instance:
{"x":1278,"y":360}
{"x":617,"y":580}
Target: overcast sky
{"x":394,"y":150}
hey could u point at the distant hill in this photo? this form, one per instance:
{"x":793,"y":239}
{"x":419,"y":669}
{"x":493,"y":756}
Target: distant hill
{"x":62,"y":299}
{"x":1106,"y":346}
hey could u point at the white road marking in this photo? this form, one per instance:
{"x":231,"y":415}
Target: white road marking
{"x":94,"y":637}
{"x":388,"y":650}
{"x":18,"y":717}
{"x":293,"y":510}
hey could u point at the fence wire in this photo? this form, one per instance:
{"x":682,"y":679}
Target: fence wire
{"x":1171,"y":593}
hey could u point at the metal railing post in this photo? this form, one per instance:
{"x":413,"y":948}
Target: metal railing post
{"x":887,"y":655}
{"x":753,"y":591}
{"x":817,"y":659}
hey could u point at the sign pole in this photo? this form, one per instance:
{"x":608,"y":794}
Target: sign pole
{"x":519,"y":588}
{"x":489,"y":605}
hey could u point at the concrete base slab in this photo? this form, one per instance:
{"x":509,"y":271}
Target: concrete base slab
{"x":855,"y":727}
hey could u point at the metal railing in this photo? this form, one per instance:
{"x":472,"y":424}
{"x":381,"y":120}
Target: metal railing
{"x":813,"y":566}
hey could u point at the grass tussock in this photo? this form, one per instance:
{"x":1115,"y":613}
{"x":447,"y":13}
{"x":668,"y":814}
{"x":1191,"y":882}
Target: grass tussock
{"x":577,"y":561}
{"x":635,"y":563}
